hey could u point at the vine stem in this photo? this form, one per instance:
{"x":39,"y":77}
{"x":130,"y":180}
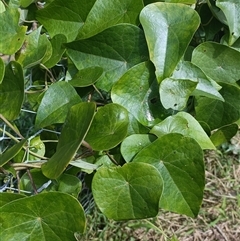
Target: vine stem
{"x":156,"y":228}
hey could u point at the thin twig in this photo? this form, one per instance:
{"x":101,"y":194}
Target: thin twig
{"x":32,"y":182}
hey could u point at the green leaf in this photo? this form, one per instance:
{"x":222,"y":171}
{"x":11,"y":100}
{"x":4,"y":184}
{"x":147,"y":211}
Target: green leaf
{"x":86,"y":166}
{"x":224,"y":134}
{"x":128,"y":192}
{"x":37,"y":146}
{"x":7,"y":197}
{"x":219,"y":62}
{"x":66,"y":20}
{"x":167,"y":34}
{"x":11,"y":152}
{"x":26,"y":3}
{"x":57,"y":50}
{"x":12,"y":91}
{"x":137,"y":91}
{"x":231,"y":9}
{"x":2,"y":70}
{"x":135,"y":127}
{"x":37,"y":217}
{"x":86,"y":77}
{"x":33,"y":49}
{"x":2,"y":7}
{"x":12,"y":35}
{"x":105,"y":14}
{"x":134,"y":144}
{"x":116,"y":49}
{"x":181,"y":1}
{"x":205,"y":87}
{"x":174,"y":93}
{"x":56,"y":103}
{"x":179,"y":160}
{"x":183,"y":123}
{"x":76,"y":126}
{"x":109,"y":127}
{"x":217,"y":113}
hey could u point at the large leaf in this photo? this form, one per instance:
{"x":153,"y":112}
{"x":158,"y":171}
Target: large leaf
{"x":183,"y":123}
{"x":67,"y":20}
{"x":167,"y":34}
{"x":116,"y":49}
{"x":219,"y":62}
{"x":11,"y":152}
{"x":12,"y":35}
{"x":76,"y":126}
{"x":134,"y":144}
{"x":109,"y":127}
{"x":105,"y":14}
{"x":128,"y":192}
{"x":231,"y":9}
{"x":49,"y":216}
{"x":205,"y":87}
{"x":2,"y":70}
{"x":12,"y":91}
{"x":179,"y":160}
{"x":7,"y":197}
{"x":174,"y":93}
{"x":33,"y":49}
{"x":137,"y":91}
{"x":217,"y":113}
{"x":56,"y":103}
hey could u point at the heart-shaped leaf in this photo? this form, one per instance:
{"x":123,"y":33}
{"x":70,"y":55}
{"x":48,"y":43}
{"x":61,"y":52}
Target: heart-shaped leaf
{"x":134,"y":144}
{"x":128,"y":192}
{"x":56,"y":103}
{"x":174,"y":93}
{"x":137,"y":91}
{"x":109,"y":127}
{"x":105,"y":14}
{"x":231,"y":9}
{"x":37,"y":215}
{"x":12,"y":35}
{"x":219,"y":62}
{"x":179,"y":160}
{"x":116,"y":49}
{"x":12,"y":91}
{"x":217,"y":113}
{"x":185,"y":124}
{"x":7,"y":197}
{"x":76,"y":126}
{"x":205,"y":87}
{"x":167,"y":34}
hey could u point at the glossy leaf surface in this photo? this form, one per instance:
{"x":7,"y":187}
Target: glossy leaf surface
{"x":56,"y":103}
{"x":124,"y":192}
{"x":167,"y":34}
{"x":74,"y":131}
{"x":37,"y":217}
{"x":109,"y":127}
{"x":179,"y":160}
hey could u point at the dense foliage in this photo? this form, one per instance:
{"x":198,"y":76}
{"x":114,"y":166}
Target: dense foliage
{"x":128,"y":92}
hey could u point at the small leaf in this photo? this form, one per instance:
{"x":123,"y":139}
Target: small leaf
{"x":56,"y":103}
{"x":12,"y":35}
{"x":167,"y":34}
{"x":174,"y":93}
{"x":109,"y":127}
{"x":12,"y":91}
{"x":33,"y":49}
{"x":137,"y":91}
{"x":105,"y":14}
{"x":37,"y":217}
{"x":179,"y":160}
{"x":231,"y":9}
{"x":2,"y":70}
{"x":76,"y":126}
{"x":219,"y":62}
{"x":224,"y":134}
{"x":134,"y":144}
{"x":86,"y":77}
{"x":128,"y":192}
{"x":88,"y":167}
{"x":183,"y":123}
{"x":7,"y":197}
{"x":11,"y":152}
{"x":116,"y":49}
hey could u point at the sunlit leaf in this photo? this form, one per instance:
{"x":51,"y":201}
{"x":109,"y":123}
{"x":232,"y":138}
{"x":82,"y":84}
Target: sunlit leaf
{"x":2,"y":70}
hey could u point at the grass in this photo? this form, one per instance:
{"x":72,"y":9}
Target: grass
{"x":218,"y":220}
